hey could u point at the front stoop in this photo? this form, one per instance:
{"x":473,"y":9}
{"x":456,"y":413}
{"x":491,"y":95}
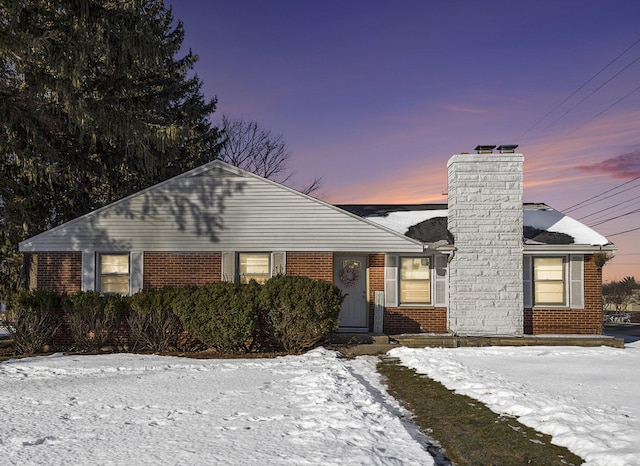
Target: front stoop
{"x":361,"y":344}
{"x":368,"y":344}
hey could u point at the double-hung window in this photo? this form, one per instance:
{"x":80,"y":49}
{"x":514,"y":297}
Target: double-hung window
{"x":113,"y":274}
{"x":415,"y":280}
{"x":253,"y":266}
{"x":549,"y":281}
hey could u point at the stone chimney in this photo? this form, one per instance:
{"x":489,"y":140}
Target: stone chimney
{"x":485,"y":218}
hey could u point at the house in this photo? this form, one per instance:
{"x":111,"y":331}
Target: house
{"x":485,"y":264}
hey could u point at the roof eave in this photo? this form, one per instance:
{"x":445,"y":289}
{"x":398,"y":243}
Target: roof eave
{"x":568,"y":248}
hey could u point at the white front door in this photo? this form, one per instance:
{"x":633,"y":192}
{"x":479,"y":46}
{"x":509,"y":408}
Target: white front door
{"x":350,"y":275}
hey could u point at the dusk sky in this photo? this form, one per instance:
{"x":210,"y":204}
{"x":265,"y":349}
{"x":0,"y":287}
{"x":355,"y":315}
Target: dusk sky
{"x":374,"y":97}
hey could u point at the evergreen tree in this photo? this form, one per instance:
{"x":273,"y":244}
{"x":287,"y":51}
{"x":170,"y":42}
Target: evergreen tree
{"x":95,"y":104}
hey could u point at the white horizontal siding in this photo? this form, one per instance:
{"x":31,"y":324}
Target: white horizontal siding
{"x":222,"y":209}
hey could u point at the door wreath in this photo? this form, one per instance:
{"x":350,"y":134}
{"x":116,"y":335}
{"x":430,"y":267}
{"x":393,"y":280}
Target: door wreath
{"x":350,"y":274}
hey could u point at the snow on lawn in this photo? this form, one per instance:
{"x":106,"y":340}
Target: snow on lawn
{"x":139,"y":409}
{"x":587,"y":399}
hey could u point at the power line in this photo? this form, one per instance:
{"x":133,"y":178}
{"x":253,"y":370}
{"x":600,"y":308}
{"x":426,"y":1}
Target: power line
{"x":580,"y":88}
{"x":623,"y":232}
{"x":575,"y":206}
{"x":609,"y":209}
{"x":614,"y":218}
{"x":610,"y":106}
{"x":593,"y":92}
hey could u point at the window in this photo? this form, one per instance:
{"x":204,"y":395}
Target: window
{"x":415,"y":280}
{"x":252,"y":266}
{"x":549,"y":281}
{"x":114,"y":273}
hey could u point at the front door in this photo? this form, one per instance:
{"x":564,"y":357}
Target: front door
{"x":350,"y":275}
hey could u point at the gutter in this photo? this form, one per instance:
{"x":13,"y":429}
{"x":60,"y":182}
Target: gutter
{"x":569,"y":248}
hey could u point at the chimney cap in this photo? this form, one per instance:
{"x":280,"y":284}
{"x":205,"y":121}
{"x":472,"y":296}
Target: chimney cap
{"x":484,"y":149}
{"x":507,"y":148}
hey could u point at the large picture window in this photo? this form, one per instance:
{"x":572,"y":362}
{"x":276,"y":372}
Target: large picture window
{"x":253,"y":266}
{"x":415,"y":280}
{"x":549,"y":281}
{"x":113,"y":274}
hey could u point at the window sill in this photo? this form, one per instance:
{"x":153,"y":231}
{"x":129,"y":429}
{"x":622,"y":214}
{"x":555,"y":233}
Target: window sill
{"x":550,"y":307}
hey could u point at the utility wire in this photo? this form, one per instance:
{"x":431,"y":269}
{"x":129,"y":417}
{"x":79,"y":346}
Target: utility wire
{"x":593,"y":92}
{"x":614,"y":218}
{"x":575,"y":206}
{"x":590,"y":119}
{"x":610,"y":209}
{"x":579,"y":89}
{"x":610,"y":106}
{"x":623,"y":232}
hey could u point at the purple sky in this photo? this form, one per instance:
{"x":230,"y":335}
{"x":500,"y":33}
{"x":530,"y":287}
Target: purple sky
{"x":374,"y":97}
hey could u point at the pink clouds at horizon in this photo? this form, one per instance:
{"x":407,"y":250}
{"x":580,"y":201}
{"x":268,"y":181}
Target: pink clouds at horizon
{"x":621,"y":166}
{"x":553,"y":165}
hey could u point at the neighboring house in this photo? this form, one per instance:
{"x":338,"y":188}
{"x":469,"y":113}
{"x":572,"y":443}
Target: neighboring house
{"x":462,"y":268}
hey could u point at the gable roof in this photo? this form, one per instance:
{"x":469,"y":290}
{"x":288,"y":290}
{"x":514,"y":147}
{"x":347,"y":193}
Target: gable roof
{"x":218,"y":207}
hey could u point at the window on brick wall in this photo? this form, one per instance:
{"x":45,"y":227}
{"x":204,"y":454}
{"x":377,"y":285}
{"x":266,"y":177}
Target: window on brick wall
{"x":253,"y":266}
{"x":415,"y":280}
{"x":113,"y":274}
{"x":549,"y":281}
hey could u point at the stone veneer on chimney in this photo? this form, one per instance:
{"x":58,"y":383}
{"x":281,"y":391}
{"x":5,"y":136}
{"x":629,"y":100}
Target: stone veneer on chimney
{"x":485,"y":218}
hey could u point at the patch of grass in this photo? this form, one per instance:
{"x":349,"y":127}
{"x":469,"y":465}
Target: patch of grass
{"x":469,"y":432}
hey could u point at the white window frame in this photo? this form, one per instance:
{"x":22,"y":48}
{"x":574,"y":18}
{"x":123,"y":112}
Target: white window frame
{"x":239,"y":275}
{"x":565,"y":283}
{"x":402,"y":303}
{"x":99,"y":273}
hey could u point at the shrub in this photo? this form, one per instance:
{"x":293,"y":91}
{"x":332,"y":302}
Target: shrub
{"x":153,"y":325}
{"x":32,"y":319}
{"x":224,"y":316}
{"x":300,"y":312}
{"x":94,"y":319}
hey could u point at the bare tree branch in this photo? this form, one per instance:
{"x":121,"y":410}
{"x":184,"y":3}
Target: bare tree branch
{"x":247,"y":146}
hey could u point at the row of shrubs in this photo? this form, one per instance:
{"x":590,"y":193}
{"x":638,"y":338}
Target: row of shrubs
{"x":289,"y":313}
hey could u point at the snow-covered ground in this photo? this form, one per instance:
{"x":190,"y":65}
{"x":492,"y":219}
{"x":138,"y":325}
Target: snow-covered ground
{"x":587,"y":399}
{"x":126,"y":409}
{"x":311,"y":409}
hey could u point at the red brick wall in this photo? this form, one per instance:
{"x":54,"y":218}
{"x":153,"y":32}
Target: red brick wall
{"x":402,"y":319}
{"x":571,"y":321}
{"x":415,"y":320}
{"x":317,"y":265}
{"x":181,"y":268}
{"x":60,"y":271}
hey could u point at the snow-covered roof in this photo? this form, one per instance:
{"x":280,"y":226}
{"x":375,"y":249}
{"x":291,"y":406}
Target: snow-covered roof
{"x":542,"y":224}
{"x":543,"y":217}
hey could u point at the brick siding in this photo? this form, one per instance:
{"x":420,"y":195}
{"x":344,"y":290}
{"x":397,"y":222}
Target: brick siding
{"x":316,"y":265}
{"x":59,"y":271}
{"x":62,"y":272}
{"x":181,"y":268}
{"x":415,"y":320}
{"x":587,"y":321}
{"x":402,"y":319}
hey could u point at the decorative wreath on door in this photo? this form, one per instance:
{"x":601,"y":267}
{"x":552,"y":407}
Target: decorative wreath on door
{"x":350,"y":274}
